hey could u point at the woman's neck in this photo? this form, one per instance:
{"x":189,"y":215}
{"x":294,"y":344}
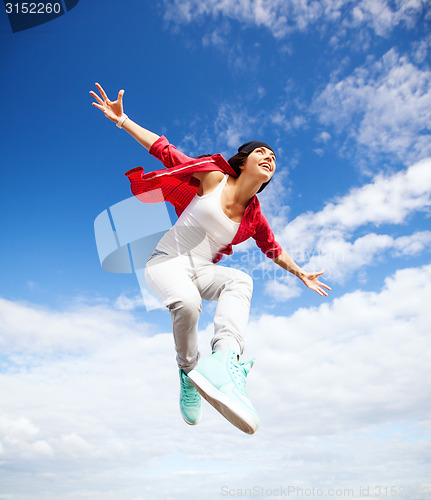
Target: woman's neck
{"x":243,"y":189}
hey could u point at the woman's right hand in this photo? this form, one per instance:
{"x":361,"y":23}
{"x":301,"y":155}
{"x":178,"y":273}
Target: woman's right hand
{"x":112,"y":109}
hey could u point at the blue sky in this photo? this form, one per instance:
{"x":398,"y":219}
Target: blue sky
{"x":342,"y":90}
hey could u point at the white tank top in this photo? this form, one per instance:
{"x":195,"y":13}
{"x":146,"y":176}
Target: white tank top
{"x":203,"y":229}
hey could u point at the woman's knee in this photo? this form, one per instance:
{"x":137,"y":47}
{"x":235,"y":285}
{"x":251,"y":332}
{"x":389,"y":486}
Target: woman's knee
{"x":244,"y":281}
{"x":190,"y":305}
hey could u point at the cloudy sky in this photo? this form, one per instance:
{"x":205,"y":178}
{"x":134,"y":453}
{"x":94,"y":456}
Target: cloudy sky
{"x":88,"y":379}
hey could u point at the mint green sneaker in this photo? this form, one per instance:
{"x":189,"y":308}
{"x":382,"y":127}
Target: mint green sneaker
{"x":220,"y":379}
{"x":190,"y":400}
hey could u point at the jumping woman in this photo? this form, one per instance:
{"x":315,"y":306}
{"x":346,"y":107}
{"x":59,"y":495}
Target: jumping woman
{"x":217,"y":207}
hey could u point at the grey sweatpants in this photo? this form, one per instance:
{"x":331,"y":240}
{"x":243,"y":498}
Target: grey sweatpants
{"x":181,"y":282}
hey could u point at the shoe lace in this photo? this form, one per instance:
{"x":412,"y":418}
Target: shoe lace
{"x":190,"y":395}
{"x":239,"y":374}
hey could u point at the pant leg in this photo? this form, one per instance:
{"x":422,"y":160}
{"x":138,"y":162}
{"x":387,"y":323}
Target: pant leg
{"x":170,"y":278}
{"x":233,"y":290}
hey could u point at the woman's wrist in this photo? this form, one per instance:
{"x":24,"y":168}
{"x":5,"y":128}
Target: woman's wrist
{"x":299,"y":273}
{"x":121,"y":120}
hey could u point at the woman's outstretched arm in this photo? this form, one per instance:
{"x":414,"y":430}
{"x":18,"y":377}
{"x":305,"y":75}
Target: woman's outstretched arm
{"x":114,"y":111}
{"x":142,"y":135}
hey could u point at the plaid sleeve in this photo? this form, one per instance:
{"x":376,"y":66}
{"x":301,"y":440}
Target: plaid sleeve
{"x":167,"y":153}
{"x":265,"y":239}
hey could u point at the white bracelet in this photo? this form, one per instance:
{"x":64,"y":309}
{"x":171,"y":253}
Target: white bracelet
{"x":121,"y":120}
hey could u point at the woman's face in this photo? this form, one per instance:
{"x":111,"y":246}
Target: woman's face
{"x":260,"y":163}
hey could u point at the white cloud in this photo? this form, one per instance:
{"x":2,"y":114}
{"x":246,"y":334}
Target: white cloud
{"x":387,"y":199}
{"x":146,"y":300}
{"x":341,"y":258}
{"x":233,"y":125}
{"x":360,"y":348}
{"x":383,"y":106}
{"x":283,"y":289}
{"x":325,"y":239}
{"x":61,"y":329}
{"x":77,"y":446}
{"x":17,"y":429}
{"x":282,"y":17}
{"x":421,"y":49}
{"x":323,"y":137}
{"x":230,"y":127}
{"x":106,"y":424}
{"x":124,"y":303}
{"x":378,"y":14}
{"x":414,"y":244}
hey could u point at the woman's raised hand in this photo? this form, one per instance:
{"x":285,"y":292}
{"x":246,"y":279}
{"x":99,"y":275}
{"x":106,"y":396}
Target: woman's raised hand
{"x":112,"y":109}
{"x":311,"y":281}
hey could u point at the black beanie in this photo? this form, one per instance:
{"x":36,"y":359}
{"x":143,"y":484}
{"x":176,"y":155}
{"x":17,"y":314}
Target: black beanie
{"x":248,"y":147}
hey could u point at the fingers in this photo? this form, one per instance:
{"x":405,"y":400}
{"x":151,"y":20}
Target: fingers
{"x":102,"y":92}
{"x":98,"y":106}
{"x":321,"y":286}
{"x":120,"y":95}
{"x":96,"y":97}
{"x":325,"y":286}
{"x":318,"y":287}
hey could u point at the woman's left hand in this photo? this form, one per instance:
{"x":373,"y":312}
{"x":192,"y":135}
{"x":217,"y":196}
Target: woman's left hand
{"x":311,"y":281}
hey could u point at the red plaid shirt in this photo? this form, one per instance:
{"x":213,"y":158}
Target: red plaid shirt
{"x":177,"y":186}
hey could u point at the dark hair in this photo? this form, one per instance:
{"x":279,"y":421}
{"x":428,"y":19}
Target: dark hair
{"x":238,"y":160}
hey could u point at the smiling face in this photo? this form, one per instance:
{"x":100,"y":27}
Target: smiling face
{"x":260,"y":163}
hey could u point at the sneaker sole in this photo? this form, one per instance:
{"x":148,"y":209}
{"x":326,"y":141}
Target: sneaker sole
{"x":190,"y":423}
{"x":230,"y":409}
